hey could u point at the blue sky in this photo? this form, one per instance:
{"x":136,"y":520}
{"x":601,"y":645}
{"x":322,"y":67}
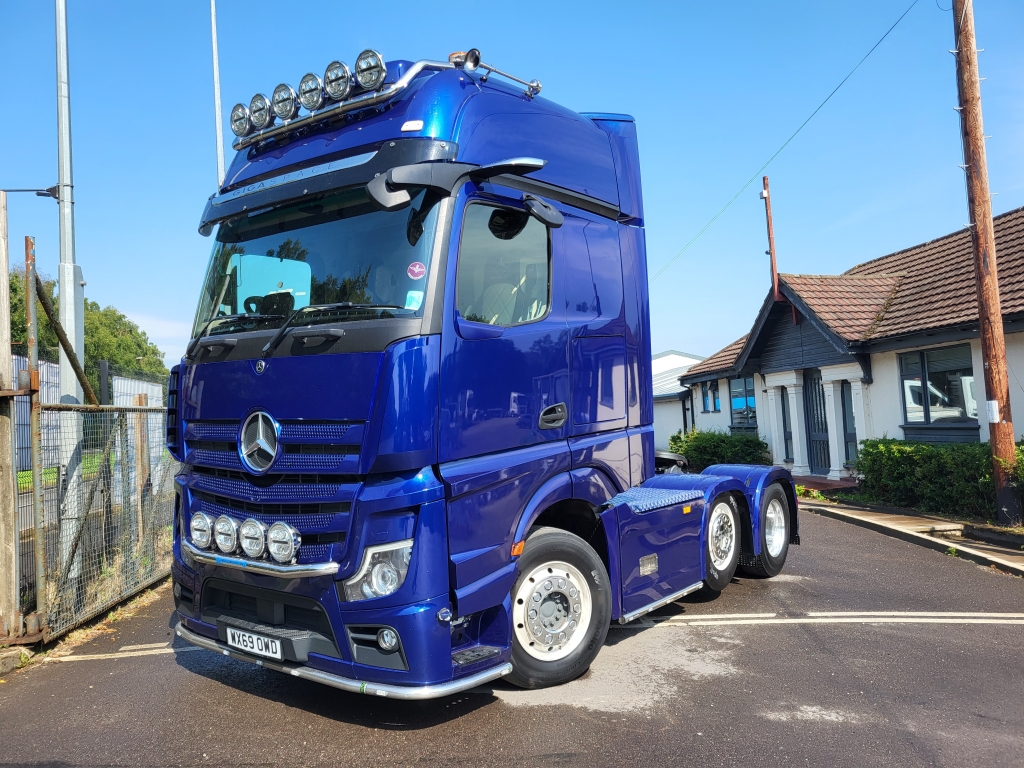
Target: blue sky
{"x":715,"y":89}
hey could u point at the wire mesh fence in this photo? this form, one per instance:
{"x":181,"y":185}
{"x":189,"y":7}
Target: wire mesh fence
{"x":107,"y":508}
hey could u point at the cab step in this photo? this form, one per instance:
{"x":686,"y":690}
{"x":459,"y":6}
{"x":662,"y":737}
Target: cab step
{"x":472,"y":655}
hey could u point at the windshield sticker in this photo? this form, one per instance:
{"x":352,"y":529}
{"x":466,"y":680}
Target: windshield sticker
{"x":413,"y":300}
{"x":416,"y":271}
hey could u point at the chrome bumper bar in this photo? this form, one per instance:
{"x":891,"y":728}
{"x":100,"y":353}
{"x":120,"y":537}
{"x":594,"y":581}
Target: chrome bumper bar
{"x":262,"y":567}
{"x":403,"y":692}
{"x":659,"y":603}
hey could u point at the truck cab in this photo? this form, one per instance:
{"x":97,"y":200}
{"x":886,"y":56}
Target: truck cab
{"x":415,"y":418}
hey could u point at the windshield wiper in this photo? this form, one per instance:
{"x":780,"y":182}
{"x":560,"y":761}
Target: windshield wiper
{"x":268,"y":350}
{"x":208,"y":327}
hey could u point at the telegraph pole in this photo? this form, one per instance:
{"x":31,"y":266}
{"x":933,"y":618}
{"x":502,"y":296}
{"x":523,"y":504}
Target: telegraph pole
{"x":765,"y":195}
{"x":216,"y":95}
{"x":69,"y":275}
{"x":990,"y":315}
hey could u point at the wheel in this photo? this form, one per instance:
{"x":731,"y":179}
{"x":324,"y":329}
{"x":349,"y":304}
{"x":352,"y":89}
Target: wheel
{"x":721,"y":543}
{"x":561,"y":609}
{"x":775,"y":523}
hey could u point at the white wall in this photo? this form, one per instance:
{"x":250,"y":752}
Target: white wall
{"x":668,"y":419}
{"x":720,"y":421}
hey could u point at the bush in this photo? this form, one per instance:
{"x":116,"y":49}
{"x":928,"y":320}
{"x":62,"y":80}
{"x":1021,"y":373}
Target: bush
{"x":942,"y":478}
{"x":702,"y":449}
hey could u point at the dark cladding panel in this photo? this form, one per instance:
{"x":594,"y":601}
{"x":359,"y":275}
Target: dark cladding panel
{"x":789,"y":346}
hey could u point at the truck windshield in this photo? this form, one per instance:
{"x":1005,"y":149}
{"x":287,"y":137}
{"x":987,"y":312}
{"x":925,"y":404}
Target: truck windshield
{"x":335,"y":250}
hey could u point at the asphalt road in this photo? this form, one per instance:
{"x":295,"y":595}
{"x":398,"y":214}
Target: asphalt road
{"x":782,"y":689}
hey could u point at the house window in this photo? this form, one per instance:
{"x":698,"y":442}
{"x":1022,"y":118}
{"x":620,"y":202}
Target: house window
{"x":787,"y":426}
{"x":709,"y":397}
{"x":713,"y":390}
{"x":742,"y":403}
{"x":938,"y":386}
{"x":849,"y":422}
{"x":704,"y":397}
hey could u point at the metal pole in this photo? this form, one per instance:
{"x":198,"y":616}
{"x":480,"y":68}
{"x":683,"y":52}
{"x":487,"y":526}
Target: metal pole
{"x":9,"y":533}
{"x":216,"y":95}
{"x":765,"y":195}
{"x":65,"y":343}
{"x":990,"y":315}
{"x":35,"y":428}
{"x":72,"y":295}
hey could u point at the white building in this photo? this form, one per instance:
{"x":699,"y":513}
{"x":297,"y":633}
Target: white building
{"x":889,"y":348}
{"x":671,"y":412}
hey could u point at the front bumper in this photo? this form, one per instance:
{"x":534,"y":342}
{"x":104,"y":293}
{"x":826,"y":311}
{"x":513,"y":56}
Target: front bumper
{"x":403,"y":692}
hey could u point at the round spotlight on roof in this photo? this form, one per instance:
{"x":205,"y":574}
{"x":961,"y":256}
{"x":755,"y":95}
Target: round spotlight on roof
{"x":241,"y":124}
{"x":260,"y":113}
{"x":311,"y":92}
{"x":337,"y":80}
{"x":286,"y":103}
{"x":370,"y":70}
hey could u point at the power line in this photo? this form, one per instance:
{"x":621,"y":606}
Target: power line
{"x":779,"y":150}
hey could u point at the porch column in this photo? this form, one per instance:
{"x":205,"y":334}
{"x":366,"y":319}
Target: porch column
{"x":836,"y":435}
{"x":799,"y":425}
{"x":778,"y":439}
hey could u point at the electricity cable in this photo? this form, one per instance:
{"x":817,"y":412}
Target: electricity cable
{"x":779,"y":150}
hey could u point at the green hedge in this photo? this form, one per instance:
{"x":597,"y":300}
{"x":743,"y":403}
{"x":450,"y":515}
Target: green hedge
{"x":702,"y":449}
{"x":936,"y":478}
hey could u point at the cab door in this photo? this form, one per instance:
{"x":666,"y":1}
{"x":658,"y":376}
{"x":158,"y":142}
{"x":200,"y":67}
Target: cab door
{"x":503,"y":387}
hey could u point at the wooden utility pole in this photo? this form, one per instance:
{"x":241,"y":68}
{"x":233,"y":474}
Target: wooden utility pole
{"x":990,"y":315}
{"x":766,"y":196}
{"x":10,"y":619}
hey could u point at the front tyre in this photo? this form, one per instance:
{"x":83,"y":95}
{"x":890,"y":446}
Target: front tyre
{"x":721,"y":543}
{"x":775,"y":527}
{"x":561,"y":609}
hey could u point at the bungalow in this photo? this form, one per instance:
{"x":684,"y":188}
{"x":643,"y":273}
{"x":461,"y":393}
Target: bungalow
{"x":672,"y":408}
{"x":889,"y":348}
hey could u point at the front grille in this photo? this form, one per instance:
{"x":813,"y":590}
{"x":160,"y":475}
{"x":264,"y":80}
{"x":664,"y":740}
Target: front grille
{"x":305,"y":517}
{"x":270,"y":488}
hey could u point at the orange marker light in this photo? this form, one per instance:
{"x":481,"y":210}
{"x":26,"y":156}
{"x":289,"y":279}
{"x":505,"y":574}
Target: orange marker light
{"x":517,"y":548}
{"x":686,"y":510}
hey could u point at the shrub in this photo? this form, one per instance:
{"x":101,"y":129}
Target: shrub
{"x":936,"y":478}
{"x":702,"y":449}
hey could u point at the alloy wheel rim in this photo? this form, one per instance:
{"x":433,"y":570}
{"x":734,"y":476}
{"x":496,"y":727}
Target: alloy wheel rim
{"x":722,"y":536}
{"x":552,"y":611}
{"x":775,"y":528}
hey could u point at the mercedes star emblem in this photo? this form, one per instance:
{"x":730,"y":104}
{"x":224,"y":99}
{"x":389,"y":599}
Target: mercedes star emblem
{"x":260,"y":366}
{"x":258,"y":441}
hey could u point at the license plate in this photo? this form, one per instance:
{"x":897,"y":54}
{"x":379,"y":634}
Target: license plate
{"x":256,"y":644}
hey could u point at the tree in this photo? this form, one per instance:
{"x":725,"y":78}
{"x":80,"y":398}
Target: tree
{"x":109,"y":335}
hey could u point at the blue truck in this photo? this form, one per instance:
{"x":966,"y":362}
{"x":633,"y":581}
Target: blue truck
{"x":415,"y":417}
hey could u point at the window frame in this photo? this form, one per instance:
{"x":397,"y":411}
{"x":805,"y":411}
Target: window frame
{"x":716,"y":401}
{"x":747,"y":395}
{"x":489,"y":203}
{"x":849,"y":430}
{"x":925,"y":399}
{"x":787,"y":426}
{"x":705,"y":392}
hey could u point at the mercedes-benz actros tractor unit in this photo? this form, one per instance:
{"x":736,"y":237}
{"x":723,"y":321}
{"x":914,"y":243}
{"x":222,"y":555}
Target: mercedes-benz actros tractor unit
{"x":415,"y":417}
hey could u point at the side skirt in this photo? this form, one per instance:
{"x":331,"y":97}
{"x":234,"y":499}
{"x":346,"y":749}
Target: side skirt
{"x":659,"y":603}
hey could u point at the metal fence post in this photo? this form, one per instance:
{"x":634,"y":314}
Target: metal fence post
{"x":10,"y":620}
{"x":35,"y":429}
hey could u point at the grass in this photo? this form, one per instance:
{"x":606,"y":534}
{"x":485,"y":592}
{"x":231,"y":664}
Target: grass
{"x":90,"y":469}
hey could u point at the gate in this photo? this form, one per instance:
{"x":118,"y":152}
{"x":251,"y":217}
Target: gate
{"x":817,"y":422}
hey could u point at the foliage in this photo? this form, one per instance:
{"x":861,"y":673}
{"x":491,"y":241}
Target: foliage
{"x":702,"y":449}
{"x":935,"y":478}
{"x":109,"y":335}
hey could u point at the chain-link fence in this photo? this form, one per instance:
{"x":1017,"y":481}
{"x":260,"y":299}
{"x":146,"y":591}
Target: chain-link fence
{"x":107,"y":511}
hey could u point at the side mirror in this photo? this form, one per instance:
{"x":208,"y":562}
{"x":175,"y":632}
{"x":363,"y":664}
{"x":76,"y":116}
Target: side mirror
{"x":545,"y":213}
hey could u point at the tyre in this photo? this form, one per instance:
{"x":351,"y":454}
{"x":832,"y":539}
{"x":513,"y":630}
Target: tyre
{"x":721,"y":543}
{"x":561,"y":609}
{"x":775,"y":527}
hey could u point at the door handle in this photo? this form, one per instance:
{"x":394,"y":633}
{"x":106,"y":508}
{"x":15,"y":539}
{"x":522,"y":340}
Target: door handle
{"x":553,"y":416}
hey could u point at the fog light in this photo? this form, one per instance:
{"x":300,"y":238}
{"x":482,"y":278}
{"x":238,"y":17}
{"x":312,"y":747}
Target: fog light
{"x":260,"y":113}
{"x":225,"y":531}
{"x":253,"y":535}
{"x":337,"y":80}
{"x":201,"y":528}
{"x":283,"y":542}
{"x":370,"y":69}
{"x":311,"y":92}
{"x":387,"y":639}
{"x":286,"y":104}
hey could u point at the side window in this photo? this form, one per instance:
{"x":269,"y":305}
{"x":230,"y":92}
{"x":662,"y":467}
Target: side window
{"x":504,"y":271}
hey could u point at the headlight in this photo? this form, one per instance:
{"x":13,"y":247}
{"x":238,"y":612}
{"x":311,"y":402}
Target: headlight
{"x":253,"y":535}
{"x":241,"y":125}
{"x":201,"y":528}
{"x":370,"y":69}
{"x":311,"y":92}
{"x":225,"y":532}
{"x":286,"y":105}
{"x":283,"y":542}
{"x":382,"y":571}
{"x":260,"y":113}
{"x":337,"y":80}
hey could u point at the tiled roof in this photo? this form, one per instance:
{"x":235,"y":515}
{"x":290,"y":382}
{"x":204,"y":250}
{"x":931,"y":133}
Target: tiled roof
{"x":937,"y":288}
{"x":851,"y":305}
{"x":722,"y":360}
